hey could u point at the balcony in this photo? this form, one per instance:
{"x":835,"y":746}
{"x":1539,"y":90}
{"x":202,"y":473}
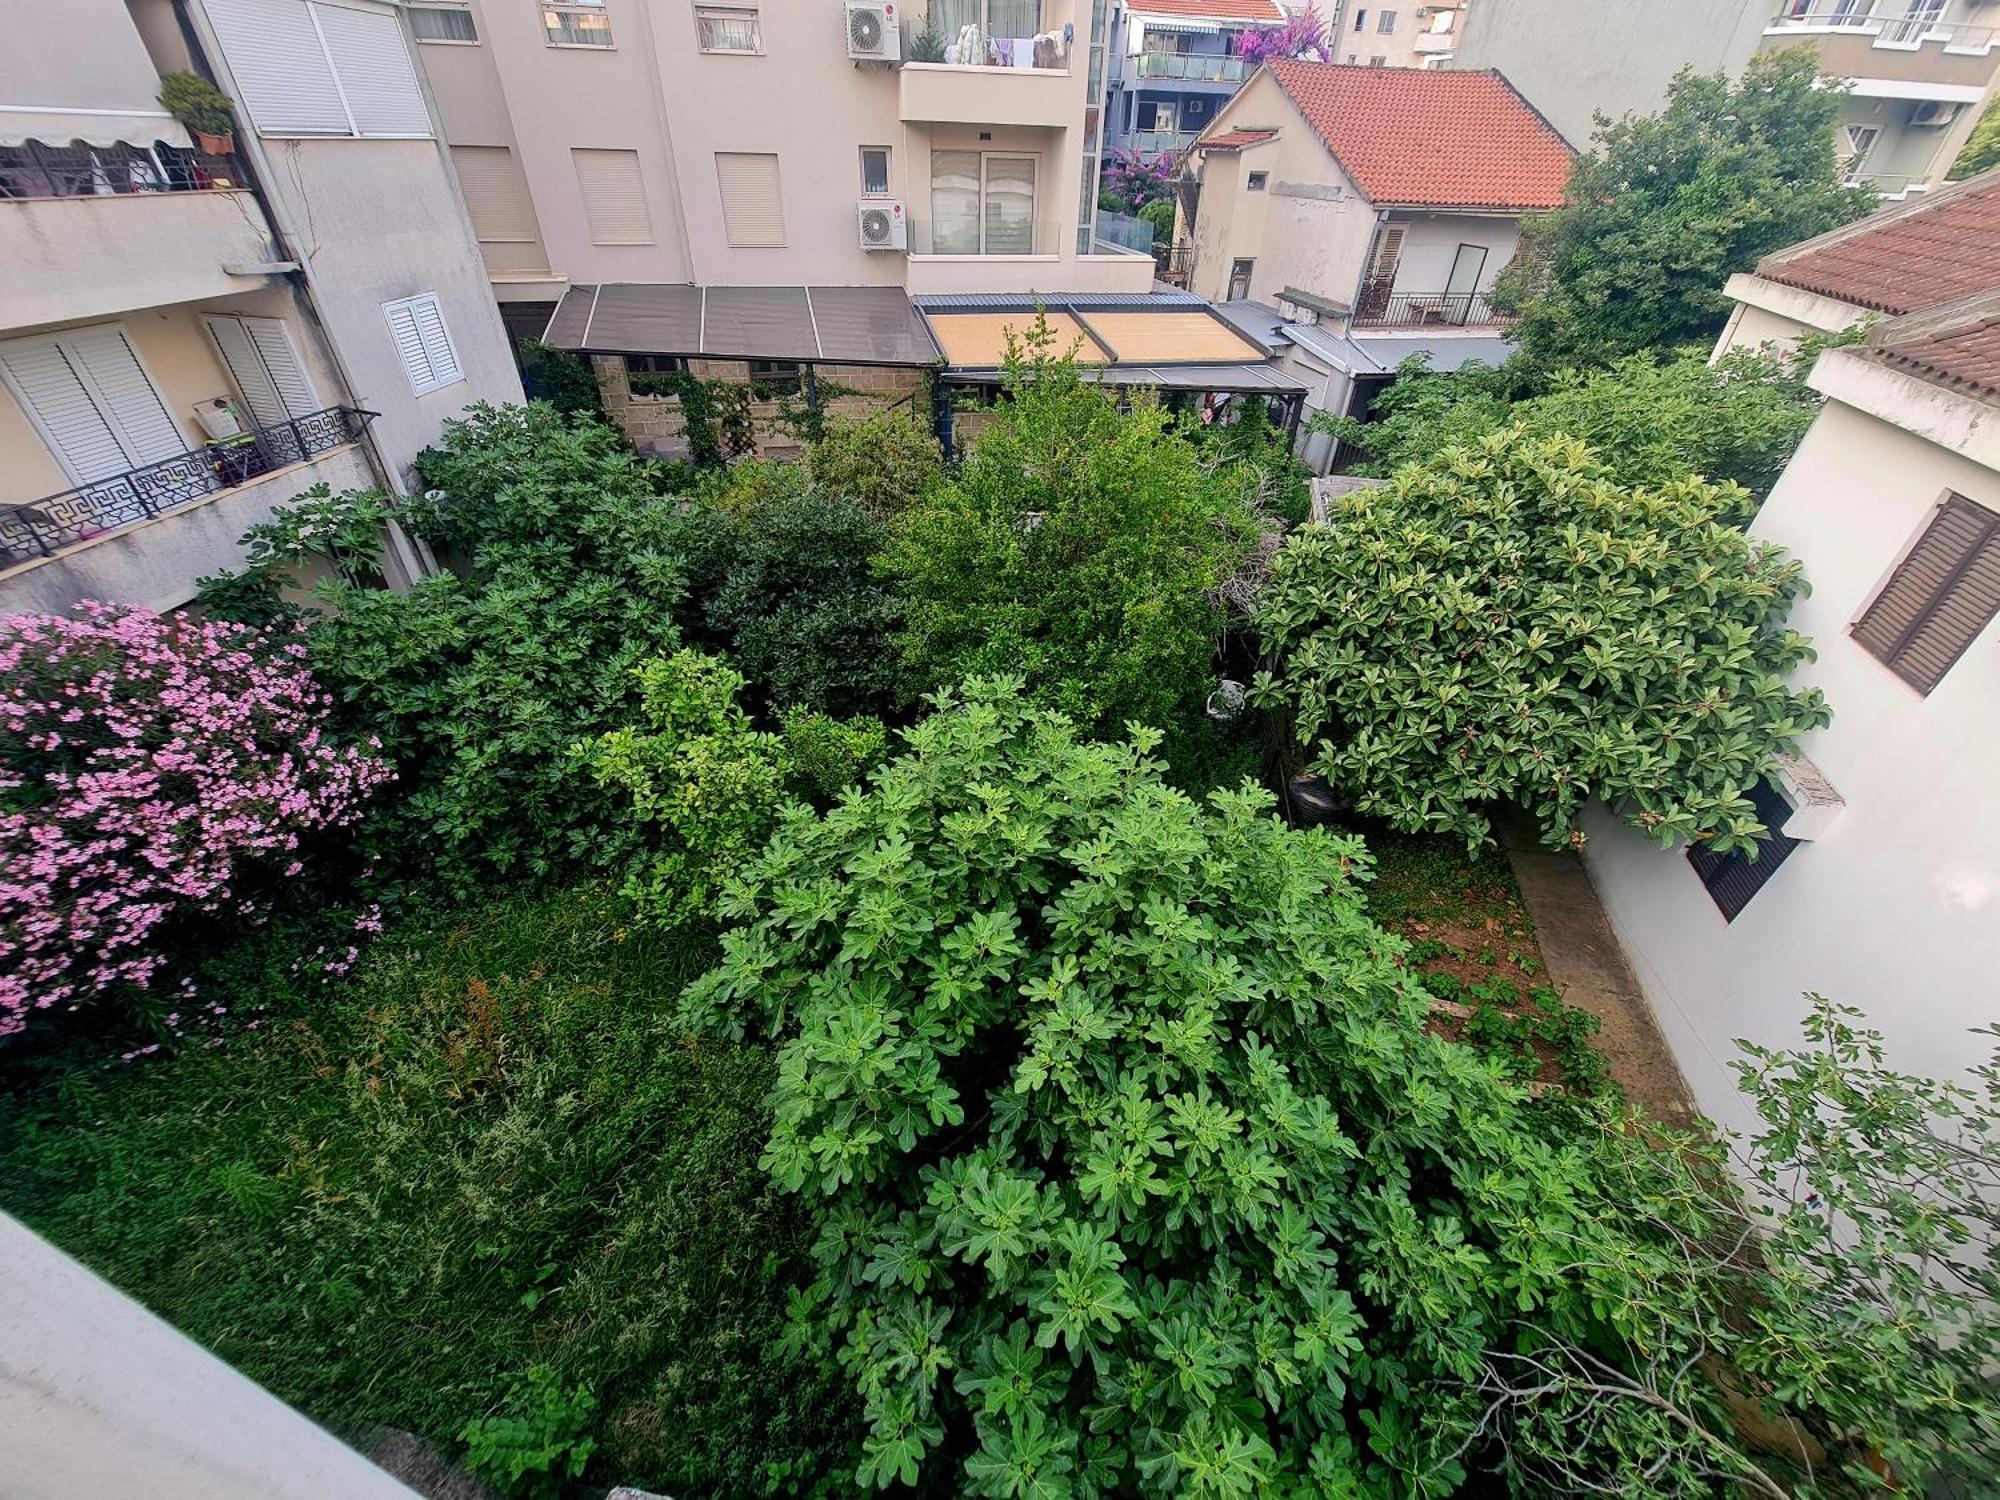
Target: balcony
{"x":1855,"y":43}
{"x":1380,"y":308}
{"x":1432,"y":43}
{"x":1188,"y":68}
{"x":955,"y":94}
{"x":1156,"y":142}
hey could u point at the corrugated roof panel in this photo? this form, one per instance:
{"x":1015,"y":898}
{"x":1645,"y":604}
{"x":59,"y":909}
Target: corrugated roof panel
{"x":865,"y":325}
{"x":758,"y":322}
{"x":635,"y":319}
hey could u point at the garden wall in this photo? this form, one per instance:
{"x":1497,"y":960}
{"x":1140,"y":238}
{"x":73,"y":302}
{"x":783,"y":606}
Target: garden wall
{"x":654,"y":423}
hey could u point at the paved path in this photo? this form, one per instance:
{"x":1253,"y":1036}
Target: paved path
{"x":1588,"y":969}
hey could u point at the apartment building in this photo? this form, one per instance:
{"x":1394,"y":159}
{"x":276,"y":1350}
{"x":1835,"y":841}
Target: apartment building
{"x":1880,"y":885}
{"x":191,"y":333}
{"x":1920,"y":71}
{"x":1348,"y":217}
{"x":1396,"y":36}
{"x":1174,"y":64}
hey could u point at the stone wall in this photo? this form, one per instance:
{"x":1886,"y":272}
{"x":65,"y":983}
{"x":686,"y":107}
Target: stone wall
{"x":654,"y":423}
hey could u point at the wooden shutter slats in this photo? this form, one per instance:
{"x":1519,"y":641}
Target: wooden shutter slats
{"x":1939,"y":598}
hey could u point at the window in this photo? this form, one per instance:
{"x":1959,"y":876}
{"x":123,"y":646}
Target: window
{"x":654,"y":374}
{"x":320,"y":69}
{"x":874,"y":171}
{"x":1732,"y":879}
{"x":728,"y":28}
{"x":91,"y":400}
{"x":1239,"y":279}
{"x":1939,"y":598}
{"x":753,"y":205}
{"x":1385,"y":22}
{"x":982,"y":203}
{"x":496,"y":195}
{"x":442,"y":23}
{"x":1259,"y":181}
{"x":264,"y":366}
{"x":1360,"y":23}
{"x":577,"y":23}
{"x":614,"y":197}
{"x":776,"y":377}
{"x":1378,"y":61}
{"x":994,"y":18}
{"x":1442,"y":22}
{"x":416,"y":324}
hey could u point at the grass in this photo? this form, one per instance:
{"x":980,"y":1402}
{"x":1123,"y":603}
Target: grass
{"x":488,"y":1148}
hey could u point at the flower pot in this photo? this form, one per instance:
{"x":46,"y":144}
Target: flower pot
{"x":216,"y":145}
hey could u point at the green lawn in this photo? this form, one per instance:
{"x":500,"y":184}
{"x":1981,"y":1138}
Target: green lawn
{"x":488,"y":1147}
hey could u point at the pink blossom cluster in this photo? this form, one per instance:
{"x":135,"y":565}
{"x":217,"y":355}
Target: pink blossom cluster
{"x":144,"y":761}
{"x":1303,"y":35}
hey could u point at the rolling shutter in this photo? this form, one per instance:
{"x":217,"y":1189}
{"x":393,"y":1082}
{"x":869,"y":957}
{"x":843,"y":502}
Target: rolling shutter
{"x":423,"y":342}
{"x":92,"y":401}
{"x":264,"y":366}
{"x":372,"y":62}
{"x":614,"y":197}
{"x":496,"y":194}
{"x":281,"y":70}
{"x":1939,"y":598}
{"x":753,"y":213}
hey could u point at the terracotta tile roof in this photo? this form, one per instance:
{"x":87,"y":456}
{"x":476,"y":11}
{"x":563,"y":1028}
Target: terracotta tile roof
{"x":1903,"y":259}
{"x":1435,"y":136}
{"x":1965,"y":358}
{"x":1211,"y":10}
{"x":1236,"y":140}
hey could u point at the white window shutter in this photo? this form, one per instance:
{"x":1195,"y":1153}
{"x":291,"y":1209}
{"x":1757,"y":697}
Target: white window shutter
{"x":69,"y":421}
{"x":496,"y":194}
{"x":371,"y":59}
{"x":753,"y":210}
{"x":110,"y":366}
{"x":260,"y":393}
{"x":437,"y":342}
{"x":273,"y":341}
{"x":614,"y":197}
{"x":423,"y":342}
{"x":280,"y":69}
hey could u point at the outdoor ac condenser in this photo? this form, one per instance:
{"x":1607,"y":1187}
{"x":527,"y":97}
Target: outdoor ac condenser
{"x":872,"y":31}
{"x":882,"y":224}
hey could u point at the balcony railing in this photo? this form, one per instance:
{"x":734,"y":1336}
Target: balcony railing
{"x":1381,"y":308}
{"x":38,"y":170}
{"x":1889,"y":184}
{"x":1153,"y":142}
{"x":1192,"y":68}
{"x":42,"y":526}
{"x":1907,"y":28}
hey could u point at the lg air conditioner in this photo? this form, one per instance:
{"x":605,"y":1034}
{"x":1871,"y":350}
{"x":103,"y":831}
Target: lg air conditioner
{"x":1934,"y":113}
{"x":882,"y":224}
{"x":872,"y":32}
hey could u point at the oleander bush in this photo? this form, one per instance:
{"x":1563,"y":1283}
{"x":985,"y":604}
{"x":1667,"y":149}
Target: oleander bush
{"x":152,"y":768}
{"x":1508,"y":626}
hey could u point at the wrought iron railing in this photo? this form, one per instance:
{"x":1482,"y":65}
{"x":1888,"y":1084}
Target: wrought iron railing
{"x":1175,"y":264}
{"x":1192,"y":67}
{"x":35,"y":169}
{"x":1913,"y":25}
{"x":1382,"y":308}
{"x":41,"y":526}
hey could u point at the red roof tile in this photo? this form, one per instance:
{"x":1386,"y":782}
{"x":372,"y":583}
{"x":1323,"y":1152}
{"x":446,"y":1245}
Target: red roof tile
{"x":1435,"y":136}
{"x":1212,"y":10}
{"x":1236,"y":140}
{"x":1903,"y":259}
{"x":1966,"y":358}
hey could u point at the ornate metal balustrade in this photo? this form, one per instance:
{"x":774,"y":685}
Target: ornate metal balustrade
{"x":42,"y":526}
{"x":1381,"y":308}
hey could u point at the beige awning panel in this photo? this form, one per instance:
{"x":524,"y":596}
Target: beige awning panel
{"x":1146,"y":338}
{"x":58,"y":127}
{"x":979,"y":340}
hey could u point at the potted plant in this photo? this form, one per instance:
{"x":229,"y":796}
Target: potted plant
{"x":203,"y":108}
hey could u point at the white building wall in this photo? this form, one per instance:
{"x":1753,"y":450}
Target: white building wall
{"x":1896,"y":909}
{"x":1431,"y":241}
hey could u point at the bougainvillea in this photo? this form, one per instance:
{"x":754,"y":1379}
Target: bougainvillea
{"x":1303,"y":35}
{"x":145,"y":762}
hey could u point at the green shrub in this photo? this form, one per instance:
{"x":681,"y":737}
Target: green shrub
{"x":826,"y":755}
{"x":197,"y":103}
{"x":1509,"y":627}
{"x":539,"y":1442}
{"x":883,"y":463}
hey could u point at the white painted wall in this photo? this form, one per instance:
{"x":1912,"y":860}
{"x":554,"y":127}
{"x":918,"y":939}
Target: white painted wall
{"x":99,"y":1398}
{"x":1431,"y":241}
{"x":1896,"y":909}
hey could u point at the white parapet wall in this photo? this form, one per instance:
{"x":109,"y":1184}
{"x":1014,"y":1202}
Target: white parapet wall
{"x":99,"y":1398}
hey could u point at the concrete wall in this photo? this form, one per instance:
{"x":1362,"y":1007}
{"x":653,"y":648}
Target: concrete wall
{"x":1896,"y":908}
{"x":1431,"y":241}
{"x":99,"y":1398}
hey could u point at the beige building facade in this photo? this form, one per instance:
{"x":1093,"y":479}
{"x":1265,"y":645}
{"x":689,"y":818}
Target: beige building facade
{"x":1396,"y":36}
{"x":192,"y":332}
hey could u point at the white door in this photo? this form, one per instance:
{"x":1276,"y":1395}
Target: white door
{"x":1466,"y":267}
{"x":91,"y":401}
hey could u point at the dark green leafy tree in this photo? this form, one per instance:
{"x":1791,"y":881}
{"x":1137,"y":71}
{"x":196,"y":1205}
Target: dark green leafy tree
{"x":1508,"y":626}
{"x":1665,"y":207}
{"x":1981,"y":152}
{"x":1083,"y":545}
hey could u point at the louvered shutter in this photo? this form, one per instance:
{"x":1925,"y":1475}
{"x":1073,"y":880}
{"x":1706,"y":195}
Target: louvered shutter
{"x":402,"y":318}
{"x":1939,"y":598}
{"x":260,"y":392}
{"x":496,"y":194}
{"x":614,"y":197}
{"x":1388,"y":255}
{"x":273,"y":341}
{"x":423,"y":342}
{"x":437,"y":342}
{"x":281,"y":70}
{"x":110,"y":367}
{"x":372,"y":62}
{"x":753,"y":213}
{"x":83,"y":442}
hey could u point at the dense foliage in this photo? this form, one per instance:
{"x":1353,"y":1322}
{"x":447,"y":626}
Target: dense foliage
{"x":1981,"y":152}
{"x":150,"y":768}
{"x":1081,"y":545}
{"x":1665,"y":207}
{"x":1508,"y":626}
{"x":1646,"y":421}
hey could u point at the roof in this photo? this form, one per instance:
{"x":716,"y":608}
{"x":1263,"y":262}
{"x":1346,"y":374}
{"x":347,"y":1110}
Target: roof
{"x":1964,"y":358}
{"x":1210,"y":10}
{"x":848,"y":325}
{"x":1236,"y":140}
{"x":1431,"y":137}
{"x":1365,"y":358}
{"x":1904,"y":259}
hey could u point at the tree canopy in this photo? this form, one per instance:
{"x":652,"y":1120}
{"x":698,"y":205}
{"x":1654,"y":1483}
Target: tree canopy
{"x":1664,"y":208}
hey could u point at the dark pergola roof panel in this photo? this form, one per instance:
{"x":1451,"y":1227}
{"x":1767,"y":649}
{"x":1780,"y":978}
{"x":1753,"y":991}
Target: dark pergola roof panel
{"x":857,"y":325}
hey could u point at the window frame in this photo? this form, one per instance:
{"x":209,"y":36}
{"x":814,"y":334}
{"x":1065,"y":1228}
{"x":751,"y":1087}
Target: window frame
{"x":1385,"y":23}
{"x":1034,"y":161}
{"x":602,"y":8}
{"x":1926,"y":611}
{"x":411,"y":304}
{"x":1257,"y":182}
{"x":1361,"y":20}
{"x":456,"y":7}
{"x":1240,"y":269}
{"x":888,"y":172}
{"x":737,"y":10}
{"x":776,"y":377}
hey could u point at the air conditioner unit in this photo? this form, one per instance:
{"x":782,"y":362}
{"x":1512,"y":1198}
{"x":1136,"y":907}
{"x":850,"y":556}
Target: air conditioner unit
{"x":882,"y":224}
{"x":872,"y":31}
{"x":1934,"y":113}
